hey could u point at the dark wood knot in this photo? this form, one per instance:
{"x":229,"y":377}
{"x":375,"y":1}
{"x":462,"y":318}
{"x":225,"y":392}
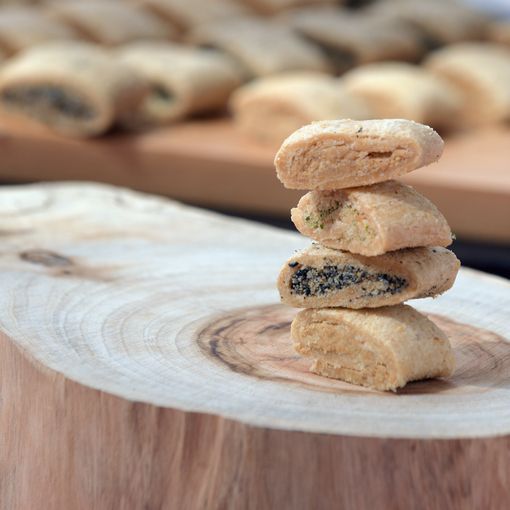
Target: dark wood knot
{"x":45,"y":258}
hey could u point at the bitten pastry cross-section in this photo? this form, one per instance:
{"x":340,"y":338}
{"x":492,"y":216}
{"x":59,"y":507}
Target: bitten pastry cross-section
{"x":378,"y":243}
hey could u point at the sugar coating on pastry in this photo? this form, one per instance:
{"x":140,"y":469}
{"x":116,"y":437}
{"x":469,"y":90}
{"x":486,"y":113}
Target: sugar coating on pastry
{"x":402,"y":90}
{"x":371,"y":220}
{"x":273,"y":107}
{"x":336,"y":154}
{"x":76,"y":88}
{"x":320,"y":277}
{"x":382,"y":348}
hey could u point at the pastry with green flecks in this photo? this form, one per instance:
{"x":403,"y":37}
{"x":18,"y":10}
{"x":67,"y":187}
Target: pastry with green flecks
{"x":371,"y":220}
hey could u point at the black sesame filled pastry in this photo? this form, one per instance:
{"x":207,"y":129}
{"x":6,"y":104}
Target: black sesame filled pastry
{"x":319,"y":277}
{"x":76,"y":89}
{"x":183,"y":81}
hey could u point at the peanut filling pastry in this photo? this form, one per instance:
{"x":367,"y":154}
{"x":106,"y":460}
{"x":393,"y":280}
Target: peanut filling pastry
{"x":338,"y":154}
{"x":383,"y":348}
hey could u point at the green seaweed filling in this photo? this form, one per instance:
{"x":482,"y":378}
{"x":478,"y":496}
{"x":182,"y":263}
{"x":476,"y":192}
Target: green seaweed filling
{"x":317,"y":221}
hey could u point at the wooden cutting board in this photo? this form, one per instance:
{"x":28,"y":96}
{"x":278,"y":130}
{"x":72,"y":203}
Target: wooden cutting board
{"x":211,"y":163}
{"x":146,"y":363}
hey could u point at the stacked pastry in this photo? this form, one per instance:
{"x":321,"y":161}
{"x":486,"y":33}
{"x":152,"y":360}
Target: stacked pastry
{"x":377,"y":244}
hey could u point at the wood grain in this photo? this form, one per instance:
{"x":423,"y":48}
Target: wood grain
{"x":482,"y":357}
{"x":209,"y":162}
{"x":70,"y":446}
{"x":145,"y":363}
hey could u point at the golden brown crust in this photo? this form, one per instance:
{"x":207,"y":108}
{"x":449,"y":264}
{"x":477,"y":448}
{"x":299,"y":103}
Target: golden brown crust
{"x":383,"y":348}
{"x":338,"y":154}
{"x":320,"y":277}
{"x":371,"y":220}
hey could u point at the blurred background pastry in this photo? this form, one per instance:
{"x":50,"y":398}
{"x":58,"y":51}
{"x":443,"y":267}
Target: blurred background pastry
{"x":184,"y":15}
{"x":183,"y":81}
{"x":481,"y":74}
{"x":351,"y":38}
{"x":398,"y":90}
{"x":75,"y":89}
{"x":25,"y":26}
{"x":262,"y":47}
{"x":271,"y":108}
{"x":110,"y":22}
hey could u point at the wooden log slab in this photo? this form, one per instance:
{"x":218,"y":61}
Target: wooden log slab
{"x":146,"y":364}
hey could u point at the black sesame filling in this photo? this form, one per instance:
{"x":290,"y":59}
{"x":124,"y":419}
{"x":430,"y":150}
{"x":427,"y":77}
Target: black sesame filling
{"x":312,"y":281}
{"x":48,"y":97}
{"x":162,"y":93}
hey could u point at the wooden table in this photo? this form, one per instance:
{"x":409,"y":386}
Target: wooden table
{"x":209,"y":163}
{"x":146,"y":362}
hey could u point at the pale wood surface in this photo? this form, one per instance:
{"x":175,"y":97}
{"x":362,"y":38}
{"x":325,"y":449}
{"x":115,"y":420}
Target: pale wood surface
{"x":165,"y":304}
{"x":210,"y":163}
{"x":121,"y":313}
{"x":66,"y":446}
